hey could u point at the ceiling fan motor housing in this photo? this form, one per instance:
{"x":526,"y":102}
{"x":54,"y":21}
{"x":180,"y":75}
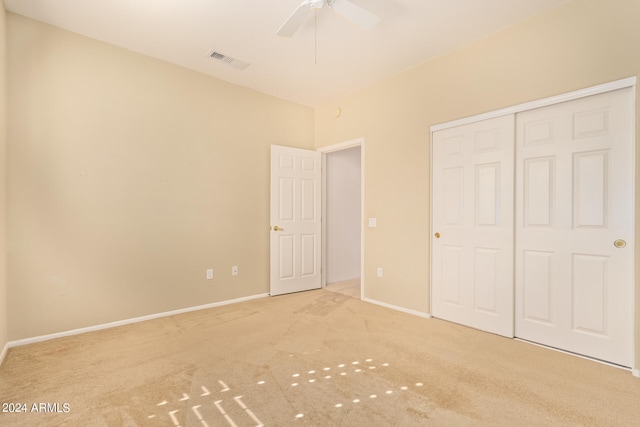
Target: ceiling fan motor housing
{"x":346,"y":8}
{"x":317,"y":4}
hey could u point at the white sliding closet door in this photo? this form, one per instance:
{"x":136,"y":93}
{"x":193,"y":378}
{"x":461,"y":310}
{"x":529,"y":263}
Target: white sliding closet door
{"x":574,"y":226}
{"x":472,"y":218}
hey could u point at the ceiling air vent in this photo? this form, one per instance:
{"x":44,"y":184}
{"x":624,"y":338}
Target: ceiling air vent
{"x":235,"y":63}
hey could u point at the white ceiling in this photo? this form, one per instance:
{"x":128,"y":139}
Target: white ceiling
{"x":342,"y":58}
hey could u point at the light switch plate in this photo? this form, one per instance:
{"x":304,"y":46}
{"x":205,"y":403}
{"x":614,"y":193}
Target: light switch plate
{"x":372,"y":222}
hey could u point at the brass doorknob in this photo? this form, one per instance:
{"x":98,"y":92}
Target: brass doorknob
{"x":437,"y":235}
{"x":619,"y":243}
{"x":276,"y":228}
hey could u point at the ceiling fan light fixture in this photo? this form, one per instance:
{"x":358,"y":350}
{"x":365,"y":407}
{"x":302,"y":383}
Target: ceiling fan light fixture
{"x":351,"y":11}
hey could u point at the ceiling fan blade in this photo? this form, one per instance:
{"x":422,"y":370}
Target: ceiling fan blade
{"x":355,"y":13}
{"x":296,"y":19}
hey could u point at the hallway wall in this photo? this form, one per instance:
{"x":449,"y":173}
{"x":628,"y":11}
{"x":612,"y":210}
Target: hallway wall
{"x":343,"y":220}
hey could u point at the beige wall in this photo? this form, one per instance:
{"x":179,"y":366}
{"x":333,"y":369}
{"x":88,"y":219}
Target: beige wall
{"x":580,"y":44}
{"x":128,"y":178}
{"x":4,"y":319}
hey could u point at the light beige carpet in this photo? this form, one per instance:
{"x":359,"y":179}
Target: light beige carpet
{"x":346,"y":287}
{"x":310,"y":359}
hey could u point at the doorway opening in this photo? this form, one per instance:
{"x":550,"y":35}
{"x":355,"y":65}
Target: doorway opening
{"x":342,"y":232}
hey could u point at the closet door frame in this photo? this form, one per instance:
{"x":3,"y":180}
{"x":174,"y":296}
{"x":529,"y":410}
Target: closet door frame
{"x":570,"y":96}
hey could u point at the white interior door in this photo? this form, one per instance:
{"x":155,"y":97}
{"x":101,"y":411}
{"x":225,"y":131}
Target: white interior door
{"x":574,"y":227}
{"x":472,"y":219}
{"x":295,"y":220}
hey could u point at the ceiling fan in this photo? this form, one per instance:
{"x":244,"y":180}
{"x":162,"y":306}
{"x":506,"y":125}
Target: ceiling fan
{"x":347,"y":9}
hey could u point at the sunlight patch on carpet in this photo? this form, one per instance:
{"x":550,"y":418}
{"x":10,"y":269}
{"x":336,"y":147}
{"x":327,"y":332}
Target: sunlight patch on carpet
{"x":221,"y":402}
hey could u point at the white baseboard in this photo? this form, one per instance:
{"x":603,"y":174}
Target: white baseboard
{"x":397,"y":308}
{"x":126,"y":322}
{"x":635,"y":372}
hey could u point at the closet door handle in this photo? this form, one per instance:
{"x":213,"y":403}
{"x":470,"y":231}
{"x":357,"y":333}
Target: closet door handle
{"x":619,"y":243}
{"x":437,"y":235}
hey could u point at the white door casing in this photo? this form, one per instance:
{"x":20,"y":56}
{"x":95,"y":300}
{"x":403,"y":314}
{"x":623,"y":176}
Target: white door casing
{"x":574,"y":201}
{"x":296,"y":225}
{"x":472,"y":224}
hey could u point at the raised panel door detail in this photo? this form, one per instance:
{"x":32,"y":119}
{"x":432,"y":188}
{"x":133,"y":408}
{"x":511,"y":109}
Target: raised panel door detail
{"x":591,"y":189}
{"x":538,"y":132}
{"x":308,"y":196}
{"x":487,"y":140}
{"x":589,"y":124}
{"x":286,"y":245}
{"x":485,"y":278}
{"x":453,"y":187}
{"x":487,"y":194}
{"x":589,"y":284}
{"x":536,"y":300}
{"x":286,"y":162}
{"x":308,"y":164}
{"x":451,"y":264}
{"x":308,"y":257}
{"x":538,"y":191}
{"x":453,"y":145}
{"x":287,"y":199}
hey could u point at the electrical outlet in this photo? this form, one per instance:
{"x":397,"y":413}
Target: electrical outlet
{"x":234,"y":270}
{"x":209,"y":273}
{"x":379,"y":271}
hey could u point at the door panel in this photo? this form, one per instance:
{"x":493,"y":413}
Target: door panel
{"x":574,"y":199}
{"x":450,"y":281}
{"x":591,"y":189}
{"x":487,"y":194}
{"x":452,"y":196}
{"x":295,"y":211}
{"x":589,"y":293}
{"x":538,"y":182}
{"x":536,"y":292}
{"x":485,"y":280}
{"x":472,"y":259}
